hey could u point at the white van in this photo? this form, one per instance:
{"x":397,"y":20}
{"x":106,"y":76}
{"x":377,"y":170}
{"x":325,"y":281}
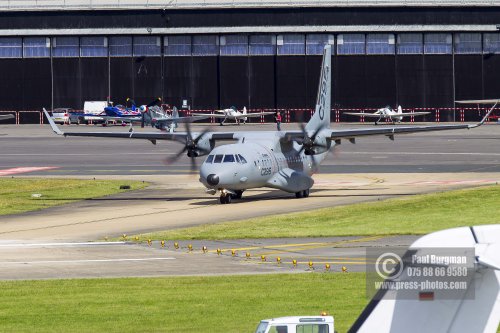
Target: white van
{"x":298,"y":324}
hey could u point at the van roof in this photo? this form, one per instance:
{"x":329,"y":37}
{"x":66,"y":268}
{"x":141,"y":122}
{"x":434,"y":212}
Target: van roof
{"x":300,"y":320}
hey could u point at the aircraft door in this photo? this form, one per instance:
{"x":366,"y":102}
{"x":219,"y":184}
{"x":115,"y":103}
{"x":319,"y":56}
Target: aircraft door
{"x":273,"y":160}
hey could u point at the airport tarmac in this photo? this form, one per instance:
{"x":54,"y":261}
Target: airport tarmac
{"x":373,"y":169}
{"x":43,"y":260}
{"x":474,"y":150}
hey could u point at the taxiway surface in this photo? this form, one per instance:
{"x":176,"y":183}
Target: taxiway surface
{"x":54,"y":243}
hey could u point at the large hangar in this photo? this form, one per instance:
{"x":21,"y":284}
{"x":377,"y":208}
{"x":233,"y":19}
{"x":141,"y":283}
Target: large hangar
{"x":259,"y":54}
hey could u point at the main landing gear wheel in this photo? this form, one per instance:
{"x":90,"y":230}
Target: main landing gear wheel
{"x":238,"y":194}
{"x":225,"y":199}
{"x":302,"y":194}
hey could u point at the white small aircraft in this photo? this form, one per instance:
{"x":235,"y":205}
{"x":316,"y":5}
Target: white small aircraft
{"x":6,"y":116}
{"x":476,"y":309}
{"x":233,"y":113}
{"x":387,"y":113}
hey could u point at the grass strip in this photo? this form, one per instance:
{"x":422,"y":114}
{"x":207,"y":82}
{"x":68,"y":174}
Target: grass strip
{"x":177,"y":304}
{"x":19,"y":195}
{"x":418,"y":214}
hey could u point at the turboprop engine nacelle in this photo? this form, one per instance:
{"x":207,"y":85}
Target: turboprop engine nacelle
{"x":321,"y":145}
{"x":203,"y":147}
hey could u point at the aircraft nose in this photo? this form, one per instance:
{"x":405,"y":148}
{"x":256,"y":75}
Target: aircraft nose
{"x":212,"y":179}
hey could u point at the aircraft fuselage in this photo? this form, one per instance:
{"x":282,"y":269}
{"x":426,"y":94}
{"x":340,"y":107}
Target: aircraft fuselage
{"x":259,"y":163}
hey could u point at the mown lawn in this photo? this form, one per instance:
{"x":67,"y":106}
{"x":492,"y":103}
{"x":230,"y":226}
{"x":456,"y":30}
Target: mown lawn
{"x":16,"y":194}
{"x":419,"y":214}
{"x":177,"y":304}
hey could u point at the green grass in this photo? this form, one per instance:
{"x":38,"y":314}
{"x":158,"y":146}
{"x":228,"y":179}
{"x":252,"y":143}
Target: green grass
{"x":16,"y":193}
{"x":419,"y":214}
{"x":178,"y":304}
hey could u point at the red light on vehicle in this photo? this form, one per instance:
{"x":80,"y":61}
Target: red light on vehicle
{"x":426,"y":296}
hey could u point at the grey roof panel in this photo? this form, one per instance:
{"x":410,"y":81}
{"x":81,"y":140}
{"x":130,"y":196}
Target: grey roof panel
{"x":44,"y":5}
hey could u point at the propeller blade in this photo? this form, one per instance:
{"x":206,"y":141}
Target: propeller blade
{"x":172,"y":159}
{"x":142,"y":119}
{"x":155,"y":102}
{"x":194,"y":165}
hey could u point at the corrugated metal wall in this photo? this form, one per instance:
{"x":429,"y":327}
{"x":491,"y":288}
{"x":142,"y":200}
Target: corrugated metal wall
{"x":360,"y":81}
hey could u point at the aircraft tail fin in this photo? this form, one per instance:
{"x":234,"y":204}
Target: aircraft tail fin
{"x":400,"y":109}
{"x":244,"y":110}
{"x":321,"y":116}
{"x":175,"y":113}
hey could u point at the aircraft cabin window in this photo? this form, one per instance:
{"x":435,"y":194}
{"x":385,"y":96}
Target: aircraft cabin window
{"x":210,"y":159}
{"x":228,"y":158}
{"x":242,"y":159}
{"x":218,"y":158}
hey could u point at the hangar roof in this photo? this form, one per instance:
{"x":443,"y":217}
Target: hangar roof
{"x":44,"y":5}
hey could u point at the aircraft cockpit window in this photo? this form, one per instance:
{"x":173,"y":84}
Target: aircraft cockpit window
{"x":218,"y":158}
{"x":228,"y":158}
{"x":242,"y":159}
{"x":210,"y":159}
{"x":237,"y":158}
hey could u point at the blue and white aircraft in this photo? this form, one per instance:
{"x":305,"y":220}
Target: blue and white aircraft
{"x":284,"y":160}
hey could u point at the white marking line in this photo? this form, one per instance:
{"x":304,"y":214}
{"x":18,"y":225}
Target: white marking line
{"x":82,"y":261}
{"x":415,"y":153}
{"x":90,"y":154}
{"x":14,"y":171}
{"x":61,"y":244}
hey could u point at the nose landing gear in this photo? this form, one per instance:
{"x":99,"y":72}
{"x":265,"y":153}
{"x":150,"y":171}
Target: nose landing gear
{"x":227,"y":196}
{"x":225,"y":199}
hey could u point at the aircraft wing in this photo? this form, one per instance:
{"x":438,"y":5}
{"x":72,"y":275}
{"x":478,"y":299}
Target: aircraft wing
{"x":409,"y":114}
{"x":351,"y":134}
{"x":151,"y":136}
{"x":369,"y":115}
{"x":181,"y":119}
{"x":391,"y":131}
{"x":476,"y":309}
{"x":6,"y":116}
{"x":248,"y":115}
{"x":126,"y":119}
{"x":256,"y":114}
{"x":208,"y":115}
{"x":479,"y":101}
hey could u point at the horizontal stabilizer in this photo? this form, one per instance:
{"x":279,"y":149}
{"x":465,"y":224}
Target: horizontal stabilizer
{"x":479,"y":101}
{"x":6,"y":116}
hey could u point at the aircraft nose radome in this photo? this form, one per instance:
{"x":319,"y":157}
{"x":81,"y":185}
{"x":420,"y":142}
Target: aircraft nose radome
{"x":212,"y":179}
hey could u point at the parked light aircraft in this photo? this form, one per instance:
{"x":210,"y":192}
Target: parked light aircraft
{"x":155,"y":116}
{"x":233,"y":113}
{"x":6,"y":116}
{"x":482,"y":102}
{"x":387,"y":113}
{"x":475,"y":309}
{"x":283,"y":160}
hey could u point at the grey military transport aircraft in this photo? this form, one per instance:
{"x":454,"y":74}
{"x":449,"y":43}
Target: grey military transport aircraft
{"x":283,"y":160}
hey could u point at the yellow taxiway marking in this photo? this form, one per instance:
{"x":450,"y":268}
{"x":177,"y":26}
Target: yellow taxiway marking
{"x":300,"y":246}
{"x":314,"y":262}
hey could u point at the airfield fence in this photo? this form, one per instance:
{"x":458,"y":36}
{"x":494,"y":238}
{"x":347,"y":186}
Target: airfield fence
{"x":303,"y":115}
